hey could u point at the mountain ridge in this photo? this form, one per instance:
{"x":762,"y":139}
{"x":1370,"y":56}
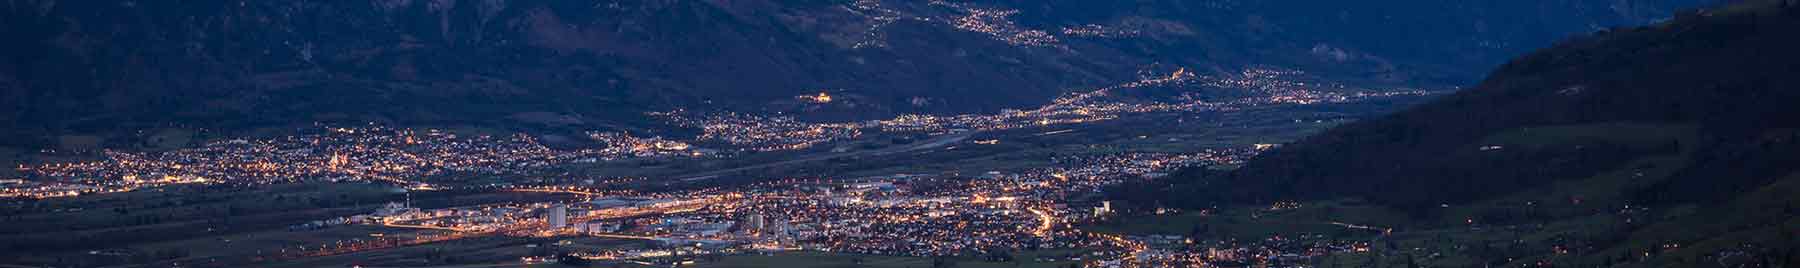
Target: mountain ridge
{"x":229,"y":66}
{"x":1669,"y":145}
{"x":1710,"y":88}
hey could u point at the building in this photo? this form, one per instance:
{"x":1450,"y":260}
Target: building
{"x":397,"y":212}
{"x":754,"y":223}
{"x":558,"y":216}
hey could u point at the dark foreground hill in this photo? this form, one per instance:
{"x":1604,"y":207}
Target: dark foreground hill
{"x":112,"y":67}
{"x":1681,"y":138}
{"x":1724,"y":85}
{"x":1732,"y":79}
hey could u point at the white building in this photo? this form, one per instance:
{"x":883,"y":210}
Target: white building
{"x":558,"y":216}
{"x":754,"y":223}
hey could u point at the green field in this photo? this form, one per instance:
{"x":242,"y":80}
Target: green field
{"x":1570,"y":222}
{"x":837,"y":260}
{"x":879,"y":154}
{"x":1634,"y":134}
{"x":257,"y":242}
{"x":477,"y":252}
{"x":1255,"y":222}
{"x":9,"y":159}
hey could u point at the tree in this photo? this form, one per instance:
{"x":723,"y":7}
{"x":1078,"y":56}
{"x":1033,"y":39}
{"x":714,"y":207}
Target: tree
{"x":999,"y":256}
{"x":1200,"y":230}
{"x":941,"y":262}
{"x":1790,"y":259}
{"x":572,"y":260}
{"x":170,"y":254}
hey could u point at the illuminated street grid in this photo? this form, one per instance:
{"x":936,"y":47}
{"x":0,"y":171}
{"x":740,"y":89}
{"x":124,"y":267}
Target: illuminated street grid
{"x":898,"y":215}
{"x":994,"y":22}
{"x":997,"y":24}
{"x":1264,"y":87}
{"x":366,"y":153}
{"x":404,"y":156}
{"x":1100,"y":31}
{"x":902,"y":215}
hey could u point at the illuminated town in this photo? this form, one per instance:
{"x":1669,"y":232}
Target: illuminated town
{"x":405,"y":156}
{"x":1100,"y":31}
{"x":899,"y":134}
{"x":366,"y":153}
{"x":995,"y":23}
{"x":898,"y":215}
{"x":920,"y":215}
{"x":1264,"y":87}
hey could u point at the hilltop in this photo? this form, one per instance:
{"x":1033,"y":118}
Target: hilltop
{"x":1674,"y":141}
{"x":103,"y":73}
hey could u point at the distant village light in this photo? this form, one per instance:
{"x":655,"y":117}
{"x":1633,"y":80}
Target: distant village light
{"x":822,"y":98}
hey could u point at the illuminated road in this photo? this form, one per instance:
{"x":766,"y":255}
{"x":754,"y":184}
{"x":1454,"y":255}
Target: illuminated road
{"x":426,"y":227}
{"x":934,"y":142}
{"x":1364,"y":227}
{"x":522,"y":229}
{"x":1048,"y":222}
{"x":557,"y":191}
{"x":623,"y":236}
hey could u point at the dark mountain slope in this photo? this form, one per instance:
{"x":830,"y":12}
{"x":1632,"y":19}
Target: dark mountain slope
{"x":1718,"y":89}
{"x":110,"y":67}
{"x":1672,"y":145}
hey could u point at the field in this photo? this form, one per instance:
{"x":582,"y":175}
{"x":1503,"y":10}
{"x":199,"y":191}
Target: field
{"x":10,"y":158}
{"x":1584,"y":221}
{"x":201,"y":224}
{"x":1591,"y":221}
{"x":1016,"y":149}
{"x":1324,"y":218}
{"x":257,"y":242}
{"x":880,"y":154}
{"x":840,"y":260}
{"x":179,"y":221}
{"x":476,"y":252}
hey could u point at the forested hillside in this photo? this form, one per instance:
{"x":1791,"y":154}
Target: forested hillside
{"x":108,"y":69}
{"x":1719,"y":86}
{"x":1672,"y":144}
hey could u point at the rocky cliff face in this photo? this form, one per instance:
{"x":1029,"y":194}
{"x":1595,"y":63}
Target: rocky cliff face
{"x":120,"y":66}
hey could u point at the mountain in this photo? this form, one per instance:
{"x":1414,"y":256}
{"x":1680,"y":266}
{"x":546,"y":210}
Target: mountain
{"x":1723,"y":78}
{"x":1681,"y":133}
{"x":113,"y":68}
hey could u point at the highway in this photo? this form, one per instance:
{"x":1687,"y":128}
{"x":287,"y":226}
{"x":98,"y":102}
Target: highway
{"x":934,"y":142}
{"x":558,"y":191}
{"x":623,"y":236}
{"x":426,"y":227}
